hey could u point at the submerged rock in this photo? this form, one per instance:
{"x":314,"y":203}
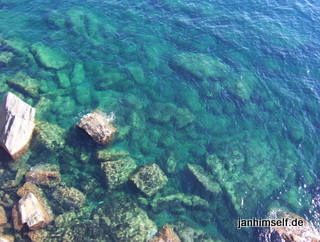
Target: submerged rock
{"x":5,"y":57}
{"x":38,"y":235}
{"x":175,"y":201}
{"x":118,"y":172}
{"x":98,"y":126}
{"x":149,"y":179}
{"x":44,"y":174}
{"x":69,"y":197}
{"x":166,"y":234}
{"x":201,"y":65}
{"x":49,"y":135}
{"x":107,"y":155}
{"x":49,"y":58}
{"x":126,"y":221}
{"x":16,"y":125}
{"x":3,"y":216}
{"x":32,"y":209}
{"x":205,"y":179}
{"x":306,"y":232}
{"x":24,"y":84}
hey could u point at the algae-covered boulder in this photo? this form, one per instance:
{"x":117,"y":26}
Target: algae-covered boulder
{"x":162,"y":112}
{"x":184,"y":117}
{"x":5,"y":57}
{"x":24,"y":84}
{"x":243,"y":85}
{"x":136,"y":72}
{"x":175,"y":201}
{"x":118,"y":172}
{"x":149,"y":179}
{"x":44,"y":174}
{"x":126,"y":221}
{"x":49,"y":57}
{"x":49,"y":135}
{"x":201,"y":66}
{"x":70,"y":198}
{"x":109,"y":155}
{"x":205,"y":179}
{"x":85,"y":231}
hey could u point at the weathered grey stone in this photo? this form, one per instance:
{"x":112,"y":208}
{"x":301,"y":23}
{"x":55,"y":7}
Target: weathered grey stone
{"x":149,"y":179}
{"x":98,"y":126}
{"x":69,"y":197}
{"x":16,"y":125}
{"x":32,"y":212}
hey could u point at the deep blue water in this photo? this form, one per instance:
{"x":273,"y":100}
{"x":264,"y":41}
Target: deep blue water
{"x":258,"y":113}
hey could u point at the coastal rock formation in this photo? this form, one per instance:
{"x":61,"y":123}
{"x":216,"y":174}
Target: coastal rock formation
{"x":118,"y":172}
{"x":32,"y":209}
{"x":44,"y":174}
{"x":166,"y":234}
{"x":98,"y":126}
{"x":306,"y":232}
{"x":125,"y":221}
{"x":149,"y":179}
{"x":69,"y":197}
{"x":16,"y":125}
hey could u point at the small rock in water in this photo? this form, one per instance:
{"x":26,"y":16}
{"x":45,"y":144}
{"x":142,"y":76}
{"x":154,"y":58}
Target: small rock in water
{"x":166,"y":234}
{"x":32,"y":209}
{"x":16,"y":125}
{"x":149,"y":179}
{"x":98,"y":126}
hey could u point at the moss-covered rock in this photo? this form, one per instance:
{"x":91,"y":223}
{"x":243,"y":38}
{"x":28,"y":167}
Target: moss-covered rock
{"x":149,"y":179}
{"x":201,"y":66}
{"x":63,"y":79}
{"x":48,"y":57}
{"x":78,"y":75}
{"x":126,"y":221}
{"x":109,"y":155}
{"x":118,"y":172}
{"x":184,"y":117}
{"x":70,"y":198}
{"x":49,"y":135}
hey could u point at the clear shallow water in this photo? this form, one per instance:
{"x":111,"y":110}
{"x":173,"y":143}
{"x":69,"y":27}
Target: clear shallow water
{"x":259,"y":112}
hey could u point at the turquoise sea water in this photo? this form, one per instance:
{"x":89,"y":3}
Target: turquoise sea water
{"x":187,"y":80}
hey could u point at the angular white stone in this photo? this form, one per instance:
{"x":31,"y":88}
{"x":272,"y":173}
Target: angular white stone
{"x":31,"y":211}
{"x":16,"y":124}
